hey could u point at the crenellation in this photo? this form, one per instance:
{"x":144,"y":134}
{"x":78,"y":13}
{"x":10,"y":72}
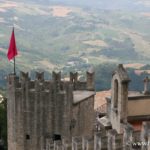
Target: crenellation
{"x":13,"y":80}
{"x":56,"y":77}
{"x":44,"y":105}
{"x":73,"y":77}
{"x":24,"y":76}
{"x":39,"y":76}
{"x":56,"y":81}
{"x":57,"y":114}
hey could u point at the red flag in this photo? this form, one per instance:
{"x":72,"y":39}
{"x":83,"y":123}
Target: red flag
{"x":12,"y":50}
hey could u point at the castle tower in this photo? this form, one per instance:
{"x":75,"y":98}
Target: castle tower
{"x":42,"y":110}
{"x":12,"y":112}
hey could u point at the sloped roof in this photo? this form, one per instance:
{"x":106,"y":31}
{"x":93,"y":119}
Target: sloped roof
{"x":79,"y":96}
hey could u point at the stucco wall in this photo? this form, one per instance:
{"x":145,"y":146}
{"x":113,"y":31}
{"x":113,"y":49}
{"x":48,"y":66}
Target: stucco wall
{"x":139,"y":107}
{"x":83,"y":113}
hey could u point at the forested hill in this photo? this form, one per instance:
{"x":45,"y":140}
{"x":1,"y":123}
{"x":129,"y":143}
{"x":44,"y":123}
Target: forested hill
{"x":71,"y":35}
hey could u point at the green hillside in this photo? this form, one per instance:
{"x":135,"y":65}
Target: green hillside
{"x":55,"y":37}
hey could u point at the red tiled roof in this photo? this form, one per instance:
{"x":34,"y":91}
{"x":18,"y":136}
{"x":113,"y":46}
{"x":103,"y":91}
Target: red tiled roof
{"x":100,"y":98}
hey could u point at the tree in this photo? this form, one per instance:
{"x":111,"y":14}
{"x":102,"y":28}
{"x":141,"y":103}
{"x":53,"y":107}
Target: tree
{"x":3,"y":123}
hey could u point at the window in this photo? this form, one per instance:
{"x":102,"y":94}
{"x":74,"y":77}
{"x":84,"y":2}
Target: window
{"x":27,"y":137}
{"x":56,"y":137}
{"x":116,"y":93}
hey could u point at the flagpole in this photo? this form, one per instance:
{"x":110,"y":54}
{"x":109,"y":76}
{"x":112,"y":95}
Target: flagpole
{"x":14,"y":66}
{"x":14,"y":60}
{"x":12,"y":50}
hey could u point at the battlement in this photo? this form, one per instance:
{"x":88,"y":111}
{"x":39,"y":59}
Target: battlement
{"x":40,"y":109}
{"x":110,"y":140}
{"x":39,"y":83}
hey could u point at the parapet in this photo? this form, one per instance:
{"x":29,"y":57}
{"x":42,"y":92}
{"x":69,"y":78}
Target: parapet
{"x":12,"y":80}
{"x":25,"y":80}
{"x":128,"y":140}
{"x":73,"y":77}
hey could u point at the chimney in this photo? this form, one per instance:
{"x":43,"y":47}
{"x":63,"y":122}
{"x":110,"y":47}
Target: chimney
{"x":146,"y":86}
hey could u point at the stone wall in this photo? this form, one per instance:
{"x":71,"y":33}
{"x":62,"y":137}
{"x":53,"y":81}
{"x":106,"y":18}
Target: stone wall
{"x":40,"y":110}
{"x":108,"y":140}
{"x":83,"y":119}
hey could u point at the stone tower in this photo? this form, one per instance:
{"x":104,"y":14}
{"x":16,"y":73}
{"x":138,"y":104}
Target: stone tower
{"x":41,"y":110}
{"x":119,"y":99}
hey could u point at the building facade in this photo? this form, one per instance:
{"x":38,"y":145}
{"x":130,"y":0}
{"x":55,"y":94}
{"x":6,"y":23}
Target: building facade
{"x":57,"y":114}
{"x":40,"y":111}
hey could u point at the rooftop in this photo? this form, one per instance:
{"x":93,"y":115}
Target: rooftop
{"x":79,"y":96}
{"x":134,"y":95}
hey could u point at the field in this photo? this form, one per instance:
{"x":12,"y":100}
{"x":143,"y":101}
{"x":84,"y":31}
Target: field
{"x":60,"y":11}
{"x":66,"y":37}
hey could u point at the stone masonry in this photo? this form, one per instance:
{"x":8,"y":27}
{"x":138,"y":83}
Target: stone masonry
{"x":59,"y":115}
{"x":40,"y":111}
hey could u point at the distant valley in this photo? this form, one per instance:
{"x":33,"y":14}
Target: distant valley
{"x":71,"y":36}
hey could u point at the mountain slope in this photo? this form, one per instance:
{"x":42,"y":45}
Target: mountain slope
{"x":62,"y":36}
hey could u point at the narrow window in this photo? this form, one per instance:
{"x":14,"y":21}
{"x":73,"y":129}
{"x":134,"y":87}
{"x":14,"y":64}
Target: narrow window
{"x":27,"y":137}
{"x":56,"y":137}
{"x":116,"y":94}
